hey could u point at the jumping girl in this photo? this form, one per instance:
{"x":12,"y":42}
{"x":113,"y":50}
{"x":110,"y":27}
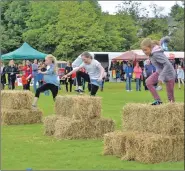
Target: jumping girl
{"x":95,"y":73}
{"x":50,"y":79}
{"x":164,"y":70}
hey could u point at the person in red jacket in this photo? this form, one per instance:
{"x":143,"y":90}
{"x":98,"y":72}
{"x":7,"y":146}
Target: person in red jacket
{"x":27,"y":74}
{"x":138,"y":73}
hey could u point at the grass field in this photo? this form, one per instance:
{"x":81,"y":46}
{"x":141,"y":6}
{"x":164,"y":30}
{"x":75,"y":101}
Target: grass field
{"x":25,"y":146}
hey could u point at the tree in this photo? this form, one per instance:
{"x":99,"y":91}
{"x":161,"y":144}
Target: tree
{"x":177,"y":12}
{"x":41,"y":24}
{"x":14,"y":14}
{"x":133,"y":9}
{"x":177,"y":39}
{"x":82,"y":32}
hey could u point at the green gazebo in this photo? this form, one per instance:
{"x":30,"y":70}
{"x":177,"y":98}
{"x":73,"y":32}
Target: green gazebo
{"x":24,"y":52}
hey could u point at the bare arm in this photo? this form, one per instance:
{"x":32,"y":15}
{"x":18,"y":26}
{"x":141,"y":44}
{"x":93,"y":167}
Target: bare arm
{"x":73,"y":71}
{"x":102,"y":71}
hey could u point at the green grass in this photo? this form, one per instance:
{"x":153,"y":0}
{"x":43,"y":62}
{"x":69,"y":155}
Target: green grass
{"x":25,"y":146}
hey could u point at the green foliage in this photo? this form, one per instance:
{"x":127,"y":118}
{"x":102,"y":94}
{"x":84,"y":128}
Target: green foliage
{"x":67,"y":28}
{"x":177,"y":40}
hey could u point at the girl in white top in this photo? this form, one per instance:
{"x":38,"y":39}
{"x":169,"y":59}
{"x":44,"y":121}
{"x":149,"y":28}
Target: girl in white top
{"x":180,"y":76}
{"x":94,"y":75}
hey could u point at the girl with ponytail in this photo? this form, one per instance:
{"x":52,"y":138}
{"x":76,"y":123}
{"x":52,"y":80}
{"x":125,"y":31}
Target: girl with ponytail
{"x":164,"y":70}
{"x":50,"y":79}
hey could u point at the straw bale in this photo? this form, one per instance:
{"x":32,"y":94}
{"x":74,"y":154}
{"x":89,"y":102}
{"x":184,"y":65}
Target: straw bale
{"x":66,"y":128}
{"x":15,"y":99}
{"x":49,"y":124}
{"x":23,"y":116}
{"x":144,"y":147}
{"x":167,"y":119}
{"x":78,"y":107}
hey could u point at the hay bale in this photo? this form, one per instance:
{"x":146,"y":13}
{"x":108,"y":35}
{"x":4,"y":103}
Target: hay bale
{"x":144,"y":147}
{"x":167,"y":119}
{"x":114,"y":144}
{"x":15,"y":99}
{"x":49,"y":125}
{"x":78,"y":107}
{"x":66,"y":128}
{"x":17,"y":117}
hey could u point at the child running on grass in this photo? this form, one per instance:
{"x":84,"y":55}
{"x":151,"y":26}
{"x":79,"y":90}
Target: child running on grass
{"x":95,"y":73}
{"x":50,"y":78}
{"x":164,"y":70}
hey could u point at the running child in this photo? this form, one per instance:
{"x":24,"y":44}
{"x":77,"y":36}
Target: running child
{"x":164,"y":70}
{"x":95,"y":73}
{"x":50,"y":79}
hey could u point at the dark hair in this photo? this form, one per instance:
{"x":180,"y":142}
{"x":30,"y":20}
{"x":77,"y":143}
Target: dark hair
{"x":87,"y":55}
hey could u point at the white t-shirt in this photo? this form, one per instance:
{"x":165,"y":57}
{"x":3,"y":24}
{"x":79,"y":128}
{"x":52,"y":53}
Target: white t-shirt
{"x":92,"y":69}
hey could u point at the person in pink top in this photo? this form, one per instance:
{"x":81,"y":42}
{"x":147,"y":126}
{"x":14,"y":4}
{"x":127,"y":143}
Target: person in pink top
{"x":138,"y":72}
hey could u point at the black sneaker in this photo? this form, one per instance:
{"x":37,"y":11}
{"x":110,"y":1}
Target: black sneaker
{"x":157,"y":102}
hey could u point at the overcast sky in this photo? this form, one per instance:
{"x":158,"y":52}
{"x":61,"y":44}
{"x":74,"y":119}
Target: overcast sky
{"x":110,"y":6}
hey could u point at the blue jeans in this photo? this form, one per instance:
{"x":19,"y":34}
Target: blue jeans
{"x":35,"y":83}
{"x":128,"y":83}
{"x":138,"y":84}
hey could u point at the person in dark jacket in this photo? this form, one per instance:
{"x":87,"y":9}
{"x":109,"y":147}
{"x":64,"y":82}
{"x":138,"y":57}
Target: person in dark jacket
{"x":69,"y":80}
{"x":12,"y":71}
{"x":128,"y":72}
{"x":3,"y":75}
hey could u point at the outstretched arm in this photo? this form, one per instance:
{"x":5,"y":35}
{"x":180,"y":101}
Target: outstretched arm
{"x":73,"y":71}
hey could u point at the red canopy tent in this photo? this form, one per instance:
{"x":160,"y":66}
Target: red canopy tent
{"x":139,"y":55}
{"x":132,"y":55}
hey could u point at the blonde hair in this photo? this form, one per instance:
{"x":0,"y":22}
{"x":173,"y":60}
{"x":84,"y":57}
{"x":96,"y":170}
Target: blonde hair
{"x":148,"y":42}
{"x":54,"y":61}
{"x":11,"y":61}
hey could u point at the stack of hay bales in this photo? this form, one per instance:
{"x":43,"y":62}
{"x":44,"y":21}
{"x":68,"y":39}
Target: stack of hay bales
{"x":151,"y":134}
{"x":77,"y":117}
{"x":16,"y":108}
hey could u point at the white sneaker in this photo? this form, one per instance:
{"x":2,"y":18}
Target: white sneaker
{"x":159,"y":88}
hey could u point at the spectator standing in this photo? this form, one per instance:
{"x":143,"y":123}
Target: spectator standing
{"x":35,"y":74}
{"x":128,"y":72}
{"x":138,"y":72}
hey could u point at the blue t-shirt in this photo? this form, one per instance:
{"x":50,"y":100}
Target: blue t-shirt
{"x":50,"y":76}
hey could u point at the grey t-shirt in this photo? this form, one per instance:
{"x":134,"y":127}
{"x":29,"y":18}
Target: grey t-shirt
{"x":92,"y":69}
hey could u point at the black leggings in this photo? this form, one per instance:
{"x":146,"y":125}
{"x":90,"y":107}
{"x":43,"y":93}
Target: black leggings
{"x":69,"y":82}
{"x":11,"y":83}
{"x":53,"y":88}
{"x":92,"y":88}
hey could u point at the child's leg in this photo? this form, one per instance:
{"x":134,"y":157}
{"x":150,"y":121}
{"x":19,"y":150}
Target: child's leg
{"x":66,"y":82}
{"x":54,"y":90}
{"x":179,"y":82}
{"x":38,"y":91}
{"x":94,"y":89}
{"x":150,"y":81}
{"x":89,"y":86}
{"x":71,"y":85}
{"x":137,"y":84}
{"x":170,"y":90}
{"x":130,"y":80}
{"x":182,"y":81}
{"x":127,"y":83}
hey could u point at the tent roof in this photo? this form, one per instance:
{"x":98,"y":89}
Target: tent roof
{"x":139,"y":55}
{"x":24,"y":52}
